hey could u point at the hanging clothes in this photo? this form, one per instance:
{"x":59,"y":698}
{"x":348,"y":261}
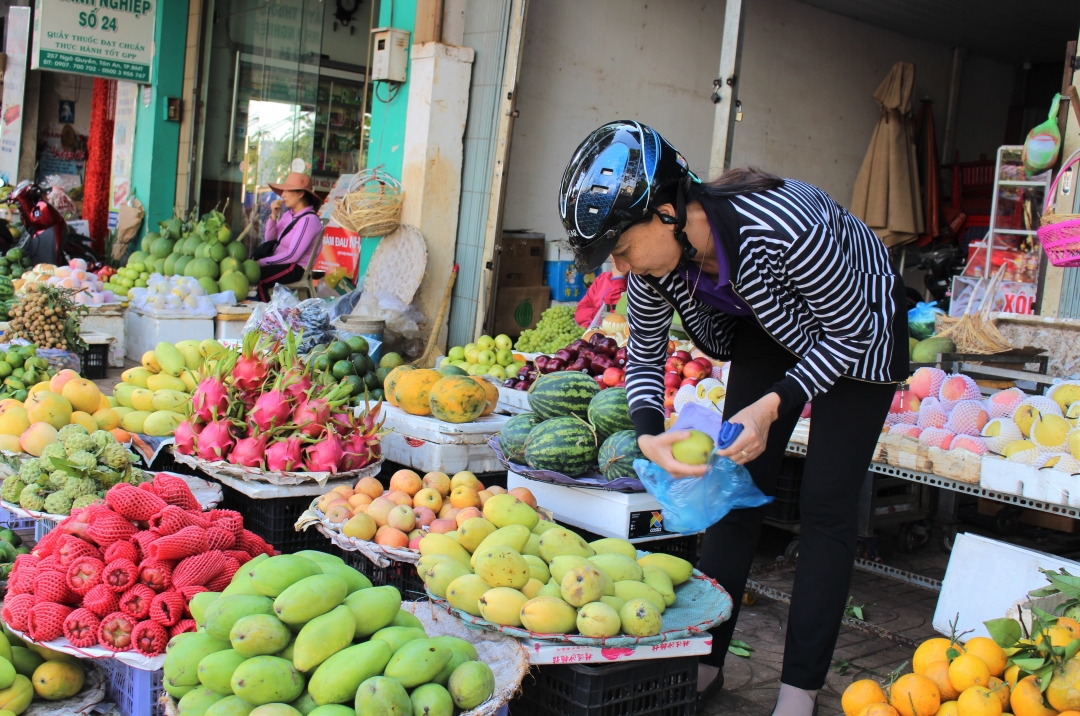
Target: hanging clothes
{"x":887,"y":196}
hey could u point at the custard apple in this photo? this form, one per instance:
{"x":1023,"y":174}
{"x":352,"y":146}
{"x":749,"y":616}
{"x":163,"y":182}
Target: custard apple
{"x":31,"y":470}
{"x":84,"y":500}
{"x":76,"y":486}
{"x":116,"y":457}
{"x":58,"y":478}
{"x":12,"y":488}
{"x":54,"y":450}
{"x":102,"y":439}
{"x":31,"y":498}
{"x":72,"y":429}
{"x":78,"y":443}
{"x":83,"y":459}
{"x":58,"y":504}
{"x":137,"y":477}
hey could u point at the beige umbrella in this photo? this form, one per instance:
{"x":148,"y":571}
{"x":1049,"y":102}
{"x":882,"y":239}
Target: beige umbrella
{"x":887,"y":189}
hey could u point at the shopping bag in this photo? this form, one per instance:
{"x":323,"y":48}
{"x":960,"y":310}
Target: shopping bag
{"x":921,"y":320}
{"x":1042,"y":143}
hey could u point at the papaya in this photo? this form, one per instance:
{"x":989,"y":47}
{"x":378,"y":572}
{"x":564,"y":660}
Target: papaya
{"x":412,"y":391}
{"x":457,"y":399}
{"x":390,"y":383}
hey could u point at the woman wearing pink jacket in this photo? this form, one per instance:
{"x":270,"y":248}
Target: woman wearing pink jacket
{"x":294,"y":225}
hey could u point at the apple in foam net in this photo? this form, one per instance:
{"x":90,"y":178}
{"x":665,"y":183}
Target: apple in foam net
{"x":904,"y":401}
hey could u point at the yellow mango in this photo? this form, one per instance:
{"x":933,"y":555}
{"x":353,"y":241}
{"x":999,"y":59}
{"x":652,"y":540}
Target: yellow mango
{"x":142,"y":399}
{"x":173,"y":400}
{"x":134,"y":421}
{"x":164,"y":381}
{"x":170,"y":359}
{"x":135,"y":376}
{"x":150,"y":362}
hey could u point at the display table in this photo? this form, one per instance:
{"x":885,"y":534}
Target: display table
{"x":144,"y":330}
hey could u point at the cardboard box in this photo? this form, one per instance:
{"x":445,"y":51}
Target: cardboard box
{"x":517,"y":309}
{"x":521,"y":260}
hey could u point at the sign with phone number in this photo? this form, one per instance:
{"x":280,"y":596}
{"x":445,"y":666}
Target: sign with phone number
{"x":113,"y":39}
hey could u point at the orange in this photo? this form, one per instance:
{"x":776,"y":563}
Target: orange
{"x":1069,"y":713}
{"x":1026,"y":699}
{"x":987,"y":650}
{"x":915,"y":695}
{"x":1063,"y":693}
{"x":1059,"y":636}
{"x":978,"y":701}
{"x":966,"y":671}
{"x":938,"y":672}
{"x":930,"y":651}
{"x":1070,"y":624}
{"x":880,"y":710}
{"x":1012,"y":675}
{"x":1002,"y":690}
{"x":861,"y":694}
{"x":947,"y":709}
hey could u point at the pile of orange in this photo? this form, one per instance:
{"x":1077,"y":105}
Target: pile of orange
{"x":976,"y":682}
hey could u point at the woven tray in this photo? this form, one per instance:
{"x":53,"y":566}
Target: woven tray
{"x":380,"y":555}
{"x":700,"y":605}
{"x":220,"y":468}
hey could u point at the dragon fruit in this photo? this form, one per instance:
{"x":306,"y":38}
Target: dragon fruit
{"x":325,"y":455}
{"x":250,"y":371}
{"x":342,"y":423}
{"x":285,"y":455}
{"x":271,"y":410}
{"x":249,"y":451}
{"x":360,"y":451}
{"x":185,"y":436}
{"x":215,"y":441}
{"x":211,"y":399}
{"x":311,"y":416}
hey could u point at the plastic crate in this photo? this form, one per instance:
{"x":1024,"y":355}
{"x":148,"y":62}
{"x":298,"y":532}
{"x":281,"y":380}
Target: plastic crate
{"x":274,"y":520}
{"x":43,"y":527}
{"x":398,"y":574}
{"x":95,"y":361}
{"x":14,"y":522}
{"x":134,"y":691}
{"x":656,"y":687}
{"x":785,"y":504}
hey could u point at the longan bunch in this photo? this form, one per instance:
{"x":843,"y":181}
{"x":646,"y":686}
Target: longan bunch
{"x":47,"y":317}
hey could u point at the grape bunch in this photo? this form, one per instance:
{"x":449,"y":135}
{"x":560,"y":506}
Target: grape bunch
{"x":555,"y":330}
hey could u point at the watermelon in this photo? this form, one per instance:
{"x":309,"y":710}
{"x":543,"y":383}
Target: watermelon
{"x":562,"y":393}
{"x":565,"y":444}
{"x":513,"y":435}
{"x":609,"y":412}
{"x":448,"y":369}
{"x":618,"y":453}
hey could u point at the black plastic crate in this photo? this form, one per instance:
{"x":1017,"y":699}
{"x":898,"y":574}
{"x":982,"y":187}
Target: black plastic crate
{"x":685,"y":546}
{"x":654,"y":687}
{"x":785,"y":504}
{"x":398,"y":574}
{"x":95,"y":361}
{"x":274,"y":520}
{"x":165,"y":461}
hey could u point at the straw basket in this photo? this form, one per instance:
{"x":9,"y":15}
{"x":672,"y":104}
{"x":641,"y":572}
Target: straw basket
{"x":1059,"y":234}
{"x":372,"y":205}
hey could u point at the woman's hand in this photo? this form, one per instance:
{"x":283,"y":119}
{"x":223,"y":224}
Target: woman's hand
{"x":275,"y":209}
{"x":755,"y":419}
{"x":658,"y":449}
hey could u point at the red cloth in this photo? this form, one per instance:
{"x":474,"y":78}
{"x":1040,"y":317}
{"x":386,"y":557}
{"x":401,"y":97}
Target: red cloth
{"x":605,"y":290}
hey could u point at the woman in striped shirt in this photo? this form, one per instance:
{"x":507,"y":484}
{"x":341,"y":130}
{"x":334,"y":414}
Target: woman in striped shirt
{"x":774,"y":276}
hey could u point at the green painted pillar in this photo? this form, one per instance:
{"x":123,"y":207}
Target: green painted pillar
{"x":157,"y":139}
{"x":386,"y":147}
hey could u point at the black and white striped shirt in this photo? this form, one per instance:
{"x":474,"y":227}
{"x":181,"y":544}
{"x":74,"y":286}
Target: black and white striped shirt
{"x":817,"y":279}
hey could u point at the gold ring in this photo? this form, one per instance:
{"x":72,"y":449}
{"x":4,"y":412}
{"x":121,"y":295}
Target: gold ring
{"x":744,"y":454}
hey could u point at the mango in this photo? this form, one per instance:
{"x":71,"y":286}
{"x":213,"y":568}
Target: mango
{"x":560,"y":541}
{"x":464,"y":593}
{"x":170,"y":360}
{"x":162,"y":423}
{"x":561,"y":565}
{"x":463,"y":651}
{"x":230,"y":706}
{"x":613,"y":545}
{"x":276,"y":574}
{"x":617,"y":566}
{"x":49,"y":654}
{"x":398,"y":637}
{"x":287,"y":652}
{"x":441,"y":544}
{"x":429,"y":561}
{"x":532,"y":546}
{"x":7,"y":673}
{"x":640,"y":617}
{"x":228,"y":609}
{"x":134,"y":422}
{"x":582,"y":584}
{"x":551,"y":589}
{"x":613,"y":602}
{"x":5,"y":648}
{"x":501,"y":566}
{"x":304,"y":704}
{"x":639,"y":590}
{"x":598,"y":619}
{"x":548,"y":615}
{"x":241,"y":584}
{"x":209,"y":348}
{"x":190,"y":351}
{"x":190,"y":381}
{"x":502,"y":605}
{"x":216,"y":670}
{"x":174,"y":400}
{"x":532,"y":589}
{"x":142,"y":399}
{"x":184,"y":654}
{"x":259,"y":634}
{"x":538,"y":568}
{"x":373,"y":609}
{"x":513,"y":536}
{"x":676,"y":567}
{"x":659,"y":580}
{"x":136,"y":377}
{"x":267,"y":679}
{"x":336,"y":680}
{"x":54,"y":680}
{"x":25,"y":661}
{"x":471,"y":684}
{"x":505,"y":509}
{"x":310,"y":597}
{"x":150,"y":362}
{"x":17,"y":697}
{"x":473,"y":531}
{"x":275,"y":710}
{"x":406,"y":619}
{"x":432,"y":700}
{"x":318,"y":557}
{"x":354,"y":581}
{"x":164,"y":381}
{"x":177,"y":692}
{"x":543,"y":526}
{"x":382,"y":696}
{"x":333,"y":710}
{"x":418,"y":662}
{"x":197,"y":701}
{"x":324,"y":636}
{"x":438,"y":577}
{"x":200,"y":603}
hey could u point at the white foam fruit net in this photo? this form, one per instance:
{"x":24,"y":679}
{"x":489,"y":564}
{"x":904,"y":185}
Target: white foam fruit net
{"x":1002,"y":403}
{"x":931,"y":415}
{"x":1046,"y":437}
{"x":1067,"y":464}
{"x":1006,"y":432}
{"x":956,"y":388}
{"x":926,"y":382}
{"x":971,"y":444}
{"x":967,"y":418}
{"x":936,"y":437}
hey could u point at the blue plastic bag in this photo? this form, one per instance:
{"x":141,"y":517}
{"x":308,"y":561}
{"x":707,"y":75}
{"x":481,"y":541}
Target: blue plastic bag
{"x":692,"y":504}
{"x":921,"y":320}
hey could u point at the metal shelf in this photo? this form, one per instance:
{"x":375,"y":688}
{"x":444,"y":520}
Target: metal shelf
{"x":794,"y":449}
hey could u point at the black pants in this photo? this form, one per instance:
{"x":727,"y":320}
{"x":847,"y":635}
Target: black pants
{"x":274,"y":274}
{"x":844,"y":430}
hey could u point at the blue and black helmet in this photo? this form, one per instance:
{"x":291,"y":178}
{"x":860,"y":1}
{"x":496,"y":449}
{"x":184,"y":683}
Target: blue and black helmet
{"x":616,"y":178}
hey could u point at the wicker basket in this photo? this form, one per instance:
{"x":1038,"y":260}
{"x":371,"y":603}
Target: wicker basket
{"x":1059,"y":234}
{"x":372,"y":205}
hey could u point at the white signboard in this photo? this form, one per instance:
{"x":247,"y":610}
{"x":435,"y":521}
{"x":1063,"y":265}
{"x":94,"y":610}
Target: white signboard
{"x":17,"y":41}
{"x":113,"y":39}
{"x":123,"y":147}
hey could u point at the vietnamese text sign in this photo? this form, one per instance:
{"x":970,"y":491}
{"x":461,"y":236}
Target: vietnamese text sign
{"x":18,"y":37}
{"x":104,"y":38}
{"x":340,"y":249}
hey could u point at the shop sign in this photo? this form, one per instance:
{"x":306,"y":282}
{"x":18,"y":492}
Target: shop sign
{"x":113,"y":39}
{"x":1010,"y":297}
{"x":340,"y":249}
{"x":16,"y":43}
{"x":123,"y":148}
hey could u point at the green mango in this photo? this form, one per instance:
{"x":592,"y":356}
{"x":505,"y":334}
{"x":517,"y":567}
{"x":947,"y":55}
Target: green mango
{"x":216,"y":670}
{"x":276,"y":574}
{"x":418,"y":662}
{"x":310,"y":597}
{"x":337,"y":679}
{"x":322,"y":637}
{"x":228,"y":609}
{"x":267,"y":680}
{"x":184,"y":654}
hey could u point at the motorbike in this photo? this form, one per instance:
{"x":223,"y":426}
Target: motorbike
{"x":941,"y":263}
{"x":47,"y":238}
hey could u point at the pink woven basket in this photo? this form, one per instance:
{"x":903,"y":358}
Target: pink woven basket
{"x":1059,"y":234}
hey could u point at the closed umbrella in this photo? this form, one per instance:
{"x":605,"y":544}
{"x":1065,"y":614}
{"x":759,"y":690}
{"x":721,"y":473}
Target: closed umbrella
{"x":887,"y":196}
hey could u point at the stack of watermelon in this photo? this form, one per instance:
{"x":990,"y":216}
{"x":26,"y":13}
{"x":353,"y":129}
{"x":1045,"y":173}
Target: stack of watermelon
{"x":574,"y":427}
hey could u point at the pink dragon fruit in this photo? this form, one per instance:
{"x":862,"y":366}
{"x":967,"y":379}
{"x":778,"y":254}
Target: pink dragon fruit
{"x":361,"y":450}
{"x":215,"y":441}
{"x":342,"y":423}
{"x":249,"y":451}
{"x":211,"y":399}
{"x":295,"y":383}
{"x":325,"y":455}
{"x":271,"y":410}
{"x":250,"y":371}
{"x":285,"y":455}
{"x":185,"y":436}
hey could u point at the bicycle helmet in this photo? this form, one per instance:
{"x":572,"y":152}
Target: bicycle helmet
{"x":615,"y":179}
